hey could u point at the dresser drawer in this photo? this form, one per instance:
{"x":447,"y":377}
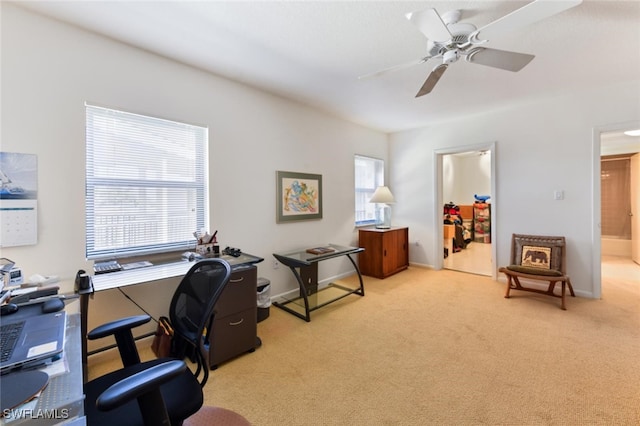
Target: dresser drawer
{"x":232,"y":335}
{"x":240,"y":293}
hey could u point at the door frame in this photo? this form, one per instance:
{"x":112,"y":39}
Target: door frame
{"x":438,"y":243}
{"x":596,"y":193}
{"x":635,"y":207}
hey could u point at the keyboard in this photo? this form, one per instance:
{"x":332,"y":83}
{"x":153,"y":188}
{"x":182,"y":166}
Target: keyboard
{"x":9,"y":334}
{"x":136,"y":265}
{"x":106,"y":267}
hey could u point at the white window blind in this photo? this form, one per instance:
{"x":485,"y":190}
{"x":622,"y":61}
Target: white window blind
{"x":369,"y":174}
{"x":146,"y":184}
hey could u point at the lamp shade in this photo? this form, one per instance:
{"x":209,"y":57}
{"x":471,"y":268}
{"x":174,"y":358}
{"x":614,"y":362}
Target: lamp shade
{"x":382,"y":195}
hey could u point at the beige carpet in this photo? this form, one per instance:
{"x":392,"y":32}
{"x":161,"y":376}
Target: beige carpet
{"x":442,"y":348}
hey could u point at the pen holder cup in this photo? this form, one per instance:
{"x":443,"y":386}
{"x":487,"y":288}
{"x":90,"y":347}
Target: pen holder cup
{"x":208,"y":250}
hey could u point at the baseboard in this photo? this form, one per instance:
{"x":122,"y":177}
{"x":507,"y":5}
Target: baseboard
{"x":421,"y":265}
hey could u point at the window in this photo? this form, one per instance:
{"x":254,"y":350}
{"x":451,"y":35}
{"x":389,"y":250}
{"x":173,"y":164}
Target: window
{"x":146,"y":184}
{"x":369,"y":174}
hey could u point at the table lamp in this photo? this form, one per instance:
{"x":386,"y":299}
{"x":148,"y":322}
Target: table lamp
{"x":383,"y":196}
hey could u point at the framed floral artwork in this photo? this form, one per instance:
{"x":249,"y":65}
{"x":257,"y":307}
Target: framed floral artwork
{"x":299,"y":196}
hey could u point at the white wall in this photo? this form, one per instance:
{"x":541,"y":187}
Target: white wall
{"x":540,"y":147}
{"x":464,"y":176}
{"x":50,"y":69}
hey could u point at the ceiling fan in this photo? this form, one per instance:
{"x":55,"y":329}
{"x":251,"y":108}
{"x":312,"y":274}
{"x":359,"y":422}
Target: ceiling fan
{"x":450,"y":40}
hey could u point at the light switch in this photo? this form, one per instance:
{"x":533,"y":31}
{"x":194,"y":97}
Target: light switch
{"x":558,"y":194}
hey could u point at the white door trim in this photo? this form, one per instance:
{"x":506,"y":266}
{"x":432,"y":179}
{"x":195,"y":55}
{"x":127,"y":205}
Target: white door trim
{"x":438,"y":244}
{"x":596,"y":244}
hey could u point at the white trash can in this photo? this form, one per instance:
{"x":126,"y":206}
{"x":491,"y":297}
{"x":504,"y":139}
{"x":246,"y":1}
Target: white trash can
{"x":264,"y":298}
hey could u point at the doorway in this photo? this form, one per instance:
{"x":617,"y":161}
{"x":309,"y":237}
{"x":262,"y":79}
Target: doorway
{"x":609,"y":143}
{"x":460,"y":174}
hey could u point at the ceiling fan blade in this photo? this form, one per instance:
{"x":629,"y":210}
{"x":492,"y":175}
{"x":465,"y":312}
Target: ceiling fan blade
{"x":431,"y":81}
{"x":430,"y":24}
{"x":395,"y":68}
{"x":510,"y":61}
{"x":532,"y":12}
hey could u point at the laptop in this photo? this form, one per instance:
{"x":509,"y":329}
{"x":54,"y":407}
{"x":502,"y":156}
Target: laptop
{"x":32,"y":340}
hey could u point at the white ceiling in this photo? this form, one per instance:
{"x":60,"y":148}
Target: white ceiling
{"x":612,"y":143}
{"x":314,"y":51}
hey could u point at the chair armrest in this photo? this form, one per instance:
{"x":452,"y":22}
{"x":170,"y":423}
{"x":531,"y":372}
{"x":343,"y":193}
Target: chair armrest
{"x":140,"y":384}
{"x":121,"y":331}
{"x":114,"y":327}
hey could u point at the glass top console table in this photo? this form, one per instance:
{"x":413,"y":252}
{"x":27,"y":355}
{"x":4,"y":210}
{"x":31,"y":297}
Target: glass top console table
{"x":304,"y":265}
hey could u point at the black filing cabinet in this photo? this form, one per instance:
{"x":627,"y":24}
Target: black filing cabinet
{"x":234,"y":329}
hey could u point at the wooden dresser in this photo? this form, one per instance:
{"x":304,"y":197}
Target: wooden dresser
{"x":386,"y":251}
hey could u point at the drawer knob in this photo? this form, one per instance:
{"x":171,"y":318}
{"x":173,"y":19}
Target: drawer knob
{"x":237,"y":322}
{"x":236,"y":280}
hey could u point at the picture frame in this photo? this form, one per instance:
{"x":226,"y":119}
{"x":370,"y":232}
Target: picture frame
{"x":298,"y":196}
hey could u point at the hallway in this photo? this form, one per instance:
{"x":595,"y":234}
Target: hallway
{"x":475,"y":259}
{"x":620,"y":273}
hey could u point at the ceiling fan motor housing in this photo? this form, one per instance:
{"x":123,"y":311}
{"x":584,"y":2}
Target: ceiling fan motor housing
{"x":459,"y":36}
{"x":460,"y":32}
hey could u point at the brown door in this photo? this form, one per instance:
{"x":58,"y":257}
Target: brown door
{"x":390,"y":259}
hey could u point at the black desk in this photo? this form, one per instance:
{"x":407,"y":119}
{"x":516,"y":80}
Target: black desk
{"x":311,"y":297}
{"x":144,"y":275}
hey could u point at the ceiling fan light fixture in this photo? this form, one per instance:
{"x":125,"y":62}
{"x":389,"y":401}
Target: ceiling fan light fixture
{"x":450,"y":56}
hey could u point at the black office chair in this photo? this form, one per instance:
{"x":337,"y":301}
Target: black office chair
{"x":149,"y":393}
{"x":145,"y":388}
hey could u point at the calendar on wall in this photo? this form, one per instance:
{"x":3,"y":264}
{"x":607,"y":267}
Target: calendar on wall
{"x":18,"y":199}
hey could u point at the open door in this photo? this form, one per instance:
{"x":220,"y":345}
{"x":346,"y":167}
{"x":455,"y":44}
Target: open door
{"x":635,"y":208}
{"x":487,"y":259}
{"x":606,"y":142}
